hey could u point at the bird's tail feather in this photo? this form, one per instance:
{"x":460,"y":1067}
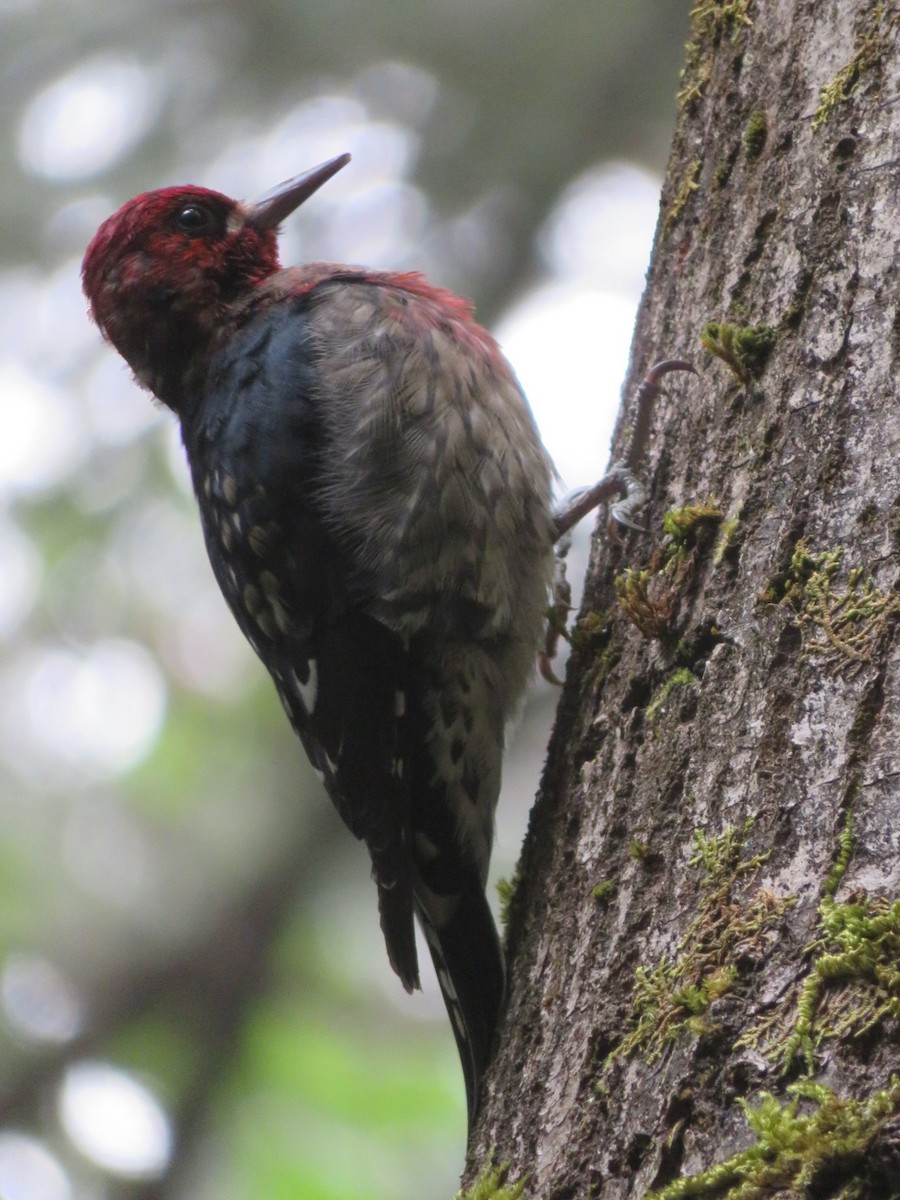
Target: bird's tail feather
{"x":468,"y":960}
{"x":395,"y":908}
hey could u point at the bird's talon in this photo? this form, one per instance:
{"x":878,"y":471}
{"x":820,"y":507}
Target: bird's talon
{"x":621,"y":478}
{"x":665,"y":367}
{"x":617,"y":517}
{"x":546,"y":669}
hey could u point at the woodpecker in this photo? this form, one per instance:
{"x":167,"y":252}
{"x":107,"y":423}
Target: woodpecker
{"x":376,"y":504}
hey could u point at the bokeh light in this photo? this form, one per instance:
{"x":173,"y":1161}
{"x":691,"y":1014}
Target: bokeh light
{"x":569,"y":346}
{"x":39,"y":1002}
{"x":28,"y":1171}
{"x":98,"y":711}
{"x":89,"y":118}
{"x":114,"y":1120}
{"x":44,"y":439}
{"x":601,"y":228}
{"x":20,"y":577}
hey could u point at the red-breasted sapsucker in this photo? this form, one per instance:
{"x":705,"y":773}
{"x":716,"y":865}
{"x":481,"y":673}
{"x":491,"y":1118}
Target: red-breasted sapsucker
{"x":376,"y":504}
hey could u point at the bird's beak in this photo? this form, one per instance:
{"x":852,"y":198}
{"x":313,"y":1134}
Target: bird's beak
{"x":271,"y":209}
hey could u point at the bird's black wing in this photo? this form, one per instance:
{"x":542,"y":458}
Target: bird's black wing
{"x":255,"y":446}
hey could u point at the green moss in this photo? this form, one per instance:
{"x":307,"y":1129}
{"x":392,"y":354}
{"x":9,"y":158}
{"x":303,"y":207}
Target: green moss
{"x":839,"y":622}
{"x":649,"y":595}
{"x":691,"y":524}
{"x":710,"y":20}
{"x":853,"y":982}
{"x":743,"y":349}
{"x":689,"y":183}
{"x":726,"y":539}
{"x":756,"y":131}
{"x":591,"y":632}
{"x":506,"y":890}
{"x":671,"y":998}
{"x":869,"y":46}
{"x":492,"y":1184}
{"x":649,"y":608}
{"x":712,"y":17}
{"x":842,"y":862}
{"x":592,"y":635}
{"x":681,"y":677}
{"x":795,"y":1152}
{"x":602,"y":892}
{"x":640,"y":851}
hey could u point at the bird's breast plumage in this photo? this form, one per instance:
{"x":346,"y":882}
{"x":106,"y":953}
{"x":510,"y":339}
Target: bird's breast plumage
{"x":438,"y":451}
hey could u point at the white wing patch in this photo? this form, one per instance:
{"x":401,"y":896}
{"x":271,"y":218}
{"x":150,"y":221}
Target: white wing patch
{"x":309,"y":690}
{"x":331,"y":766}
{"x":399,"y":713}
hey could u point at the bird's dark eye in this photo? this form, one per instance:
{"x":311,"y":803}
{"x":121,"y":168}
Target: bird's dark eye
{"x":194,"y":218}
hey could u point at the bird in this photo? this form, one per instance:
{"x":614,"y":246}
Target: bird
{"x":376,"y":503}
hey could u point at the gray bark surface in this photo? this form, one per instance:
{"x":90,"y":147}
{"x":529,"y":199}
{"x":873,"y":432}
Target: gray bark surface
{"x":781,"y":209}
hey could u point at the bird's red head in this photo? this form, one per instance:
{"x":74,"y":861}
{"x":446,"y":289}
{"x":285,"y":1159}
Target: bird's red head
{"x":164,"y":272}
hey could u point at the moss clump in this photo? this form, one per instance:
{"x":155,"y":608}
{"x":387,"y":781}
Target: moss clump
{"x":712,"y":17}
{"x":710,"y":20}
{"x":649,"y":595}
{"x":672,"y":997}
{"x":743,"y":349}
{"x":591,"y":632}
{"x":506,"y":891}
{"x":726,"y":539}
{"x":592,"y":635}
{"x":492,"y":1184}
{"x":648,"y":600}
{"x":840,"y":623}
{"x":603,"y":892}
{"x":681,"y":677}
{"x":796,"y":1153}
{"x":689,"y":183}
{"x":756,"y":132}
{"x":854,"y":978}
{"x":869,"y":46}
{"x":692,"y":525}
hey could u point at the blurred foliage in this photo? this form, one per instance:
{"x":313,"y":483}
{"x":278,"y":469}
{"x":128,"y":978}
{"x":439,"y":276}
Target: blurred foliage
{"x":176,"y":897}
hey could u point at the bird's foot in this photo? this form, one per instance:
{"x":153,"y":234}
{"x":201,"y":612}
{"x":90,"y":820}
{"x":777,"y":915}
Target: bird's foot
{"x":620,"y":480}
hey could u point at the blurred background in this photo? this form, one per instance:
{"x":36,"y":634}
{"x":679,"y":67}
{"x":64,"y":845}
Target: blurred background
{"x":194,"y":995}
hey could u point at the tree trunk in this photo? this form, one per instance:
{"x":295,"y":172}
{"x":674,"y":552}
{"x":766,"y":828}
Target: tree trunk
{"x":705,"y":942}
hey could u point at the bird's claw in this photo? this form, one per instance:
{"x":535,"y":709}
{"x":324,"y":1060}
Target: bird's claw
{"x":658,"y":370}
{"x":634,"y":497}
{"x":621,"y":479}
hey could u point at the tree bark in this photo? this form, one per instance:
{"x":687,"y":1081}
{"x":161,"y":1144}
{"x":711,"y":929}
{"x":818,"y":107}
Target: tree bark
{"x":705,"y":940}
